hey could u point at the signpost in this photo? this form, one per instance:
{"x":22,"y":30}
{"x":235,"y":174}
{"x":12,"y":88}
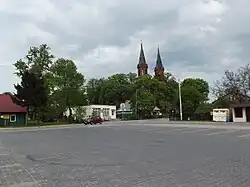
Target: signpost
{"x":122,"y":106}
{"x":5,"y":117}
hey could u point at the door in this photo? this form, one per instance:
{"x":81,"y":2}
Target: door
{"x":248,"y":114}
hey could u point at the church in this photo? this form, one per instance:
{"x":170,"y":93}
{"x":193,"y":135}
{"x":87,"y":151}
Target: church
{"x":142,"y":66}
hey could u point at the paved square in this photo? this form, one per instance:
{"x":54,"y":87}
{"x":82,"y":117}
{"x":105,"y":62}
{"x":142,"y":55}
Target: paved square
{"x":126,"y":155}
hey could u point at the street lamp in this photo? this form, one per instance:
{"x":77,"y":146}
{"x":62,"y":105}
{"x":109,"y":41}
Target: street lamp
{"x":180,"y":99}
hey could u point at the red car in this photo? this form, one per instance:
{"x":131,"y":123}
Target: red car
{"x":93,"y":120}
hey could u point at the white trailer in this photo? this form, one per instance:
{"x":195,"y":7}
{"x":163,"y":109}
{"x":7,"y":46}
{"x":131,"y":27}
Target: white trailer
{"x":221,"y":114}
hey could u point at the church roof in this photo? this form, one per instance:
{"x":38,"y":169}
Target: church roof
{"x":158,"y":60}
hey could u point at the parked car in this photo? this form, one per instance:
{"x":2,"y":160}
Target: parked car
{"x":93,"y":120}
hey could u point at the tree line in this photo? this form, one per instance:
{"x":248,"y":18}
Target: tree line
{"x":147,"y":92}
{"x":49,"y":86}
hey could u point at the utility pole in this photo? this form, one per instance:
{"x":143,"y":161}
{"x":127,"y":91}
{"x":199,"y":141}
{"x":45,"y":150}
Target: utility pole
{"x":180,"y":100}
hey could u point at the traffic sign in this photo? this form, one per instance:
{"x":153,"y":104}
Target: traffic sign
{"x":5,"y":116}
{"x":122,"y":106}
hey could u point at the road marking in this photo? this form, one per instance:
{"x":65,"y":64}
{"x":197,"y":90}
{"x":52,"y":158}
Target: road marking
{"x":192,"y":131}
{"x":221,"y":132}
{"x":244,"y":136}
{"x":4,"y":154}
{"x":24,"y":184}
{"x":10,"y":165}
{"x":178,"y":129}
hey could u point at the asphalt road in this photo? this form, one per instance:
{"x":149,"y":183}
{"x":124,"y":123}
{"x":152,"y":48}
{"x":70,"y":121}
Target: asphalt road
{"x":126,"y":155}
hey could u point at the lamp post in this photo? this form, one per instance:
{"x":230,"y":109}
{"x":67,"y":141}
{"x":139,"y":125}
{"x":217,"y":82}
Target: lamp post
{"x":180,"y":99}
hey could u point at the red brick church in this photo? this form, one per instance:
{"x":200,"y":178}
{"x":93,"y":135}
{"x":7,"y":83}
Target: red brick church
{"x":143,"y":66}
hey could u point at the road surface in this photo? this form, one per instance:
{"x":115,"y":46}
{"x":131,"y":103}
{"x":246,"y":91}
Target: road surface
{"x":126,"y":155}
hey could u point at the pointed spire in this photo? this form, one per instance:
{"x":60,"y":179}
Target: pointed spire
{"x":158,"y":60}
{"x":142,"y":59}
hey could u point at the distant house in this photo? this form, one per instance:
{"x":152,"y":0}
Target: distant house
{"x":11,"y":113}
{"x":241,"y":112}
{"x":238,"y":105}
{"x":106,"y":112}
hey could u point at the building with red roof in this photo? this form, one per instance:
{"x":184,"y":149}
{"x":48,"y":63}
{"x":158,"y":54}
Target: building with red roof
{"x":11,"y":113}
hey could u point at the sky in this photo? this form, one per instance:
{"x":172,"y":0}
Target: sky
{"x":197,"y":38}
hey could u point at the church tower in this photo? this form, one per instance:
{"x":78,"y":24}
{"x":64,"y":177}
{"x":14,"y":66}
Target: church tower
{"x":159,"y":69}
{"x":142,"y":66}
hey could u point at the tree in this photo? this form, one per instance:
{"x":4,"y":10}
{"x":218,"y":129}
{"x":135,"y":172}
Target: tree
{"x":69,"y":85}
{"x":234,"y":85}
{"x":38,"y":60}
{"x":94,"y":87}
{"x":143,"y":98}
{"x":194,"y":93}
{"x":116,"y":89}
{"x":31,"y":93}
{"x":200,"y":85}
{"x":171,"y":94}
{"x":143,"y":103}
{"x":79,"y":112}
{"x":113,"y":90}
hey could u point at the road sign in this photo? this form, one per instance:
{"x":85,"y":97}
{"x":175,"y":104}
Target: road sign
{"x":122,"y":106}
{"x":5,"y":116}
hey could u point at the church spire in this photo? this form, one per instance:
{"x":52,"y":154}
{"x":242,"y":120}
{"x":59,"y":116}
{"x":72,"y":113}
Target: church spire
{"x":158,"y":60}
{"x":142,"y":59}
{"x":142,"y":66}
{"x":159,"y":69}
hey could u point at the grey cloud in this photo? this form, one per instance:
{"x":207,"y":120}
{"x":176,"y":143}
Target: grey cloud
{"x":195,"y":37}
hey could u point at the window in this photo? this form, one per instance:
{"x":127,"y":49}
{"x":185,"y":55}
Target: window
{"x":238,"y":112}
{"x":13,"y":118}
{"x":106,"y":112}
{"x":96,"y":111}
{"x":113,"y":112}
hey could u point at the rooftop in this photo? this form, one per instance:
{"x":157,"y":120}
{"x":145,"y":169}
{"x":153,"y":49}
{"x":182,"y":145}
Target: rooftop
{"x":8,"y":106}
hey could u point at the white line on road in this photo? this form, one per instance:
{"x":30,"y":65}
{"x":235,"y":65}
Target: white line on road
{"x":192,"y":131}
{"x":244,"y":136}
{"x":221,"y":132}
{"x":4,"y":154}
{"x":179,"y":129}
{"x":10,"y":165}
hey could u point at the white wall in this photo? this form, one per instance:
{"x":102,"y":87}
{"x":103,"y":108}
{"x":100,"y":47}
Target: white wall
{"x":109,"y":108}
{"x":90,"y":108}
{"x":243,"y":119}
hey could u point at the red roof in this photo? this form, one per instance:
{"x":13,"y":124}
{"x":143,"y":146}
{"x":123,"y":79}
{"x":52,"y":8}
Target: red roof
{"x":7,"y":105}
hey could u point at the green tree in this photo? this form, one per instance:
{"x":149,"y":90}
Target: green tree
{"x":79,"y":112}
{"x":171,"y":94}
{"x":143,"y":103}
{"x":94,"y":87}
{"x":143,"y":98}
{"x":69,"y":85}
{"x":116,"y":89}
{"x":32,"y":93}
{"x":38,"y":60}
{"x":194,"y":93}
{"x":131,"y":77}
{"x":200,"y":85}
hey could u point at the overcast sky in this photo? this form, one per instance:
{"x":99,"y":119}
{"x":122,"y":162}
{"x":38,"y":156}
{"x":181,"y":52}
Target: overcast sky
{"x":197,"y":38}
